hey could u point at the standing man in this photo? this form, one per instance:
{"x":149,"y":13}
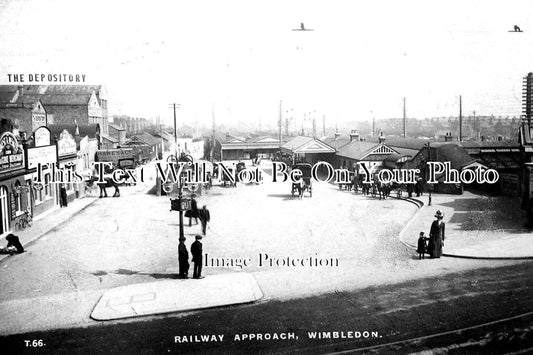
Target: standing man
{"x":193,"y":212}
{"x":183,"y":259}
{"x":196,"y":251}
{"x":204,"y":216}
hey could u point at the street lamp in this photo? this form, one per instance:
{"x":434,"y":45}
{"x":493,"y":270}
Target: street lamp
{"x":180,"y":203}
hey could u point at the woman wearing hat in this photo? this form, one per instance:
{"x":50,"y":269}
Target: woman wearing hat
{"x":436,"y":236}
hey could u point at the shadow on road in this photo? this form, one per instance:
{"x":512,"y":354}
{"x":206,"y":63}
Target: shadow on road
{"x":133,"y":272}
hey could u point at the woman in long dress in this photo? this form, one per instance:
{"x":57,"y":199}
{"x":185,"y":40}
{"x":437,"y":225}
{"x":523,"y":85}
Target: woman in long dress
{"x":436,"y":236}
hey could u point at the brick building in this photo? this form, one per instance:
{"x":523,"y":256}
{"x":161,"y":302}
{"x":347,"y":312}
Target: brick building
{"x":84,"y":104}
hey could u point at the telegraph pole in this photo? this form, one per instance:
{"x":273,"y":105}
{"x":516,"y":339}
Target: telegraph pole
{"x":179,"y":182}
{"x":323,"y":125}
{"x":404,"y":120}
{"x":527,"y":99}
{"x":460,"y":118}
{"x":280,"y":120}
{"x":173,"y":106}
{"x":213,"y":139}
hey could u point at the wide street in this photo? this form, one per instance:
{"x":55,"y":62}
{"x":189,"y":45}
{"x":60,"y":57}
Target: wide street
{"x":133,"y":239}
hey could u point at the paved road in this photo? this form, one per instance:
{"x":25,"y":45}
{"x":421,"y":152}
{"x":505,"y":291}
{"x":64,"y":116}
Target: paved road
{"x":396,"y":312}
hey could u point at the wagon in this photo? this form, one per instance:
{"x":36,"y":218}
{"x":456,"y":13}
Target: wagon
{"x":305,"y":183}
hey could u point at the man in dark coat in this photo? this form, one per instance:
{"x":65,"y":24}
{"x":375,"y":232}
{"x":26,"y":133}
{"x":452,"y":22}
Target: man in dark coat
{"x":183,"y":259}
{"x":13,"y":241}
{"x":193,"y":212}
{"x":436,"y":236}
{"x":196,"y":251}
{"x":204,"y":216}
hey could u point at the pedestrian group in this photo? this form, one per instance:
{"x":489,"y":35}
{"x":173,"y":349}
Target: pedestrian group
{"x":434,"y":244}
{"x":196,"y":246}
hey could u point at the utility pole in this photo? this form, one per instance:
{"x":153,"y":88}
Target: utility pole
{"x":404,"y":120}
{"x":173,"y":106}
{"x":460,"y":118}
{"x":213,"y":134}
{"x":280,"y":120}
{"x":527,"y":99}
{"x":179,"y":182}
{"x":323,"y":125}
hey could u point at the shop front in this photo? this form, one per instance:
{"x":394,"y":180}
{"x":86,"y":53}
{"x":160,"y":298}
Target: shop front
{"x":67,"y":163}
{"x":15,"y":197}
{"x":44,"y":154}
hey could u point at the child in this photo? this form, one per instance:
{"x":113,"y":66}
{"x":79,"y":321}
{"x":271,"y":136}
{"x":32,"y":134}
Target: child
{"x":422,"y":246}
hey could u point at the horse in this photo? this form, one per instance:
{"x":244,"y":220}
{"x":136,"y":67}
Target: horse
{"x":108,"y":182}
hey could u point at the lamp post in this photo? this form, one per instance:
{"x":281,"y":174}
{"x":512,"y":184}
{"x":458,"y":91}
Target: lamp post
{"x":180,"y":203}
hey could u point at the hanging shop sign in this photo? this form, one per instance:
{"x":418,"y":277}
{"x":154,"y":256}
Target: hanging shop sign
{"x":11,"y":153}
{"x":41,"y":137}
{"x":66,"y":145}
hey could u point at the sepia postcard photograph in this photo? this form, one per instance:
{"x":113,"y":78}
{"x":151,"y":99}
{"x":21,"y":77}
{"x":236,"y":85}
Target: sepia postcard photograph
{"x":266,"y":177}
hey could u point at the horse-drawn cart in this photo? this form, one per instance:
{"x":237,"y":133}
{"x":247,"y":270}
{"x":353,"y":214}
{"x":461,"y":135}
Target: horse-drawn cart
{"x":304,"y":184}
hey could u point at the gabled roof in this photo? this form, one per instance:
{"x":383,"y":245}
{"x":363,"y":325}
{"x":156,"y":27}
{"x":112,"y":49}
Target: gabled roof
{"x":399,"y":142}
{"x":109,"y":138}
{"x":90,"y":130}
{"x":357,"y":149}
{"x":336,"y":142}
{"x":116,"y":127}
{"x":50,"y":94}
{"x":305,"y":145}
{"x":453,"y":153}
{"x":263,"y":139}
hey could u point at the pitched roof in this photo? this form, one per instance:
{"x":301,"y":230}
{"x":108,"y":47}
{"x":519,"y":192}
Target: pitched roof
{"x":115,"y":127}
{"x":453,"y":153}
{"x":90,"y":130}
{"x":336,"y":142}
{"x":356,"y":149}
{"x":146,"y":138}
{"x":110,"y":138}
{"x":304,"y":144}
{"x":50,"y":94}
{"x":399,"y":142}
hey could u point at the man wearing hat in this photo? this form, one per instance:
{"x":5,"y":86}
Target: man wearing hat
{"x":436,"y":236}
{"x":196,"y":251}
{"x":183,"y":259}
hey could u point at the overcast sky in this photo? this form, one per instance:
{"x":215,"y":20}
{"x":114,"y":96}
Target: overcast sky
{"x":242,"y":57}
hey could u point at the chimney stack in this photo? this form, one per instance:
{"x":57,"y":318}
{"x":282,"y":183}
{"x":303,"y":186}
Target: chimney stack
{"x":448,"y":137}
{"x":354,"y":135}
{"x":381,"y":137}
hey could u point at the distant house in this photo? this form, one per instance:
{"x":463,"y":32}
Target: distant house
{"x":117,"y":132}
{"x":149,"y":145}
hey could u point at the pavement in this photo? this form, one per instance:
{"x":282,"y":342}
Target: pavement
{"x":497,"y":236}
{"x":48,"y":221}
{"x":176,"y":295}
